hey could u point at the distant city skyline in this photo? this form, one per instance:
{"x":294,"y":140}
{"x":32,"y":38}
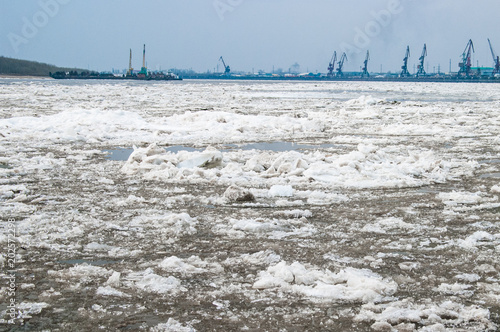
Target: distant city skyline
{"x":250,"y":35}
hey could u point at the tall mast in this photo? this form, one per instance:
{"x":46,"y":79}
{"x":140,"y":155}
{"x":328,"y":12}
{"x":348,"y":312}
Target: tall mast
{"x":405,"y":72}
{"x":365,"y":65}
{"x":144,"y":70}
{"x":144,"y":57}
{"x":130,"y":63}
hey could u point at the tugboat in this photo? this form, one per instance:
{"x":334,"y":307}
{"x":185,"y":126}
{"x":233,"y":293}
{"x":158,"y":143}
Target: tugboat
{"x":143,"y":75}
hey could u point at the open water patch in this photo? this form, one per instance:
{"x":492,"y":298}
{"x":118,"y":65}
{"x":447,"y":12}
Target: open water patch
{"x":122,"y":154}
{"x":489,"y":161}
{"x":490,"y":175}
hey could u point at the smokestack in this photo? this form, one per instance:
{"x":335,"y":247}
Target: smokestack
{"x":144,"y":57}
{"x":130,"y":62}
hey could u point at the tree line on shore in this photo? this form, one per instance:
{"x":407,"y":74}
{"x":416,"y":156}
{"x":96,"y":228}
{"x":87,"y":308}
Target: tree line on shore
{"x":16,"y":67}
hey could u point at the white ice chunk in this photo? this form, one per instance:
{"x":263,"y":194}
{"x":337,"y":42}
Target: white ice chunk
{"x":428,"y":315}
{"x":476,"y":239}
{"x":110,"y":291}
{"x":172,"y":326}
{"x":455,"y":198}
{"x":94,"y":246}
{"x":153,"y":283}
{"x":363,"y":101}
{"x":349,"y":284}
{"x":238,"y":194}
{"x":176,"y":224}
{"x":255,"y":225}
{"x":114,"y":280}
{"x":211,"y":157}
{"x":391,"y":224}
{"x":454,"y":289}
{"x":190,"y":265}
{"x":281,"y":191}
{"x":27,"y":309}
{"x":83,"y":273}
{"x":470,"y":277}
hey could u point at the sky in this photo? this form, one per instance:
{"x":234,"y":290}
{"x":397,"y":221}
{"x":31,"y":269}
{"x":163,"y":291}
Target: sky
{"x":251,"y":35}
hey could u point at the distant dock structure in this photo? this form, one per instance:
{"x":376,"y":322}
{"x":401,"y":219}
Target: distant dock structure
{"x":143,"y":74}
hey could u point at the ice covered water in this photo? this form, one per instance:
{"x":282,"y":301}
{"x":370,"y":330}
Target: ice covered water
{"x":252,"y":205}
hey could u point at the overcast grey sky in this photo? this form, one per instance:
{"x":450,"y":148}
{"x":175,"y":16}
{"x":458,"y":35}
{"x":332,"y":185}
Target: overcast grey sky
{"x":250,"y":34}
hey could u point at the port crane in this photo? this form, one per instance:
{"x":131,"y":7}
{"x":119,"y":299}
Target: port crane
{"x":496,"y":60}
{"x":343,"y":59}
{"x":421,"y":70}
{"x":405,"y":72}
{"x":365,"y":65}
{"x":466,"y":64}
{"x":227,"y":69}
{"x":331,"y":65}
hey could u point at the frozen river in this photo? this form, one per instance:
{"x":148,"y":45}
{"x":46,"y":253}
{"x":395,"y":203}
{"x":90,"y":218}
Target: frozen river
{"x":249,"y":206}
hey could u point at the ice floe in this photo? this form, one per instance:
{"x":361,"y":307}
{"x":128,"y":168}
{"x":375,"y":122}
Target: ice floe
{"x":191,"y":265}
{"x":367,"y":167}
{"x":349,"y":284}
{"x":432,"y":317}
{"x":149,"y":281}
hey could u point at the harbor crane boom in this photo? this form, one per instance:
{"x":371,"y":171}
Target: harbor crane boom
{"x":365,"y":65}
{"x":227,"y":69}
{"x":421,"y":70}
{"x":496,"y":60}
{"x":404,"y":72}
{"x":343,"y":59}
{"x":466,"y":64}
{"x":331,"y":65}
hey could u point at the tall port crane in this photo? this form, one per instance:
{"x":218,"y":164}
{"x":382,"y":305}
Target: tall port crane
{"x":421,"y":70}
{"x":466,"y":64}
{"x":365,"y":65}
{"x":404,"y":72}
{"x":331,"y":65}
{"x":343,"y":59}
{"x":227,"y":69}
{"x":496,"y":60}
